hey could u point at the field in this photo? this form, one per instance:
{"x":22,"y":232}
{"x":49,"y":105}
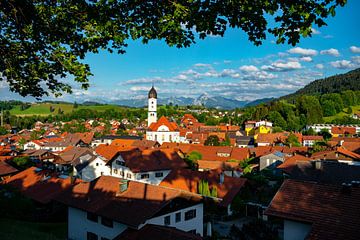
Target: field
{"x":15,"y":230}
{"x":356,"y":109}
{"x":43,"y":109}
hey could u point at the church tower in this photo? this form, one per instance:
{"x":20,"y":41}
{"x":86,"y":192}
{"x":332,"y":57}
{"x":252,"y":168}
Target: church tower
{"x":152,"y":106}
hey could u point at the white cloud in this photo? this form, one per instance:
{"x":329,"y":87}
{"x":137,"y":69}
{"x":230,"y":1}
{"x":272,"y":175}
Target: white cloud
{"x":342,"y":64}
{"x":249,"y":68}
{"x":328,"y":36}
{"x":332,"y":52}
{"x":315,"y":32}
{"x":202,"y":65}
{"x":355,"y":49}
{"x":319,"y":66}
{"x":356,"y":59}
{"x":303,"y":51}
{"x":282,"y":66}
{"x":305,"y":59}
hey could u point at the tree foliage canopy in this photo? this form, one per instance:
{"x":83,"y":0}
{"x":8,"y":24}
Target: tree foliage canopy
{"x":43,"y":41}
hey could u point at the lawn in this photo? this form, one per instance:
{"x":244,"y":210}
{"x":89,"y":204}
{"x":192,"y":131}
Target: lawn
{"x":17,"y":230}
{"x":44,"y":108}
{"x":356,"y":109}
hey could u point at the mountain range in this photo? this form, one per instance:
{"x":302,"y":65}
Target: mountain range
{"x":203,"y":100}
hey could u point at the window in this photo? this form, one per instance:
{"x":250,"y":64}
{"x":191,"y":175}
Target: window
{"x":167,"y":220}
{"x":159,"y":174}
{"x":121,"y":173}
{"x":91,"y":236}
{"x":107,"y":222}
{"x":145,"y":176}
{"x":178,"y":217}
{"x":128,"y":175}
{"x":118,"y":162}
{"x":92,"y":217}
{"x":190,"y":214}
{"x":115,"y":171}
{"x":97,"y":164}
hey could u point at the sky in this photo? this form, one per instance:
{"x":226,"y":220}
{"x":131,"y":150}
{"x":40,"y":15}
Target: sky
{"x":229,"y":66}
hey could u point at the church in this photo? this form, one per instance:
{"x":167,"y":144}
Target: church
{"x":161,"y":130}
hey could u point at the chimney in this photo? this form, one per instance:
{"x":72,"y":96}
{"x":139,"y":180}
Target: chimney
{"x":123,"y":185}
{"x":222,"y":177}
{"x":318,"y":165}
{"x":341,"y":142}
{"x":346,"y":188}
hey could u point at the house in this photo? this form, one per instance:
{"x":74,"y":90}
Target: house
{"x":290,"y":162}
{"x":42,"y":186}
{"x":147,"y":166}
{"x":108,"y":206}
{"x":309,"y":141}
{"x":163,"y":131}
{"x":271,"y":160}
{"x":156,"y":232}
{"x":187,"y":180}
{"x":34,"y":144}
{"x":342,"y":131}
{"x":311,"y":210}
{"x":340,"y":154}
{"x":109,"y":139}
{"x":6,"y":170}
{"x":257,"y":127}
{"x":329,"y":172}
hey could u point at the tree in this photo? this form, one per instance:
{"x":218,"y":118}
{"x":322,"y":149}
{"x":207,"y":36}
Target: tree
{"x":192,"y":158}
{"x":212,"y":140}
{"x":325,"y":133}
{"x":41,"y":41}
{"x":292,"y":141}
{"x":3,"y":131}
{"x":213,"y":192}
{"x":277,"y":119}
{"x":328,"y":108}
{"x":76,"y":105}
{"x":23,"y":162}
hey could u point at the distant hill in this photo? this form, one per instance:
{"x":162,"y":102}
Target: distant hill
{"x":259,"y":101}
{"x":333,"y":84}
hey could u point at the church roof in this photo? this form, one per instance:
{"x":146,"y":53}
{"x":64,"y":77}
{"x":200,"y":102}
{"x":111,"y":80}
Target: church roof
{"x":152,"y":93}
{"x":164,"y":121}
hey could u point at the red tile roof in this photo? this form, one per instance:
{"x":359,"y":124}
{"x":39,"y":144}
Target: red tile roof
{"x":188,"y":180}
{"x":332,"y":213}
{"x":152,"y":160}
{"x":132,"y":207}
{"x":290,"y":162}
{"x":164,"y":121}
{"x":343,"y":130}
{"x":109,"y":152}
{"x":6,"y":169}
{"x":41,"y":186}
{"x":220,"y":153}
{"x":313,"y":138}
{"x":156,"y":232}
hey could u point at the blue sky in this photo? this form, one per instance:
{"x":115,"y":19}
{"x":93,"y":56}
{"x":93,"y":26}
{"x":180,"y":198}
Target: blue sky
{"x":230,"y":66}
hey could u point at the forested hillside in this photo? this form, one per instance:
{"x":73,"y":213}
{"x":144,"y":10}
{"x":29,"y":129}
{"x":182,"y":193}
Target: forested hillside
{"x":333,"y":84}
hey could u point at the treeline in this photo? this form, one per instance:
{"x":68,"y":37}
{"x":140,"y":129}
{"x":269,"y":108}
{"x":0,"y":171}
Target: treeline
{"x":304,"y":110}
{"x":333,"y":84}
{"x":27,"y":122}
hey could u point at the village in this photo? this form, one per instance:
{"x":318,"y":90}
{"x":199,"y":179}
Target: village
{"x":185,"y":180}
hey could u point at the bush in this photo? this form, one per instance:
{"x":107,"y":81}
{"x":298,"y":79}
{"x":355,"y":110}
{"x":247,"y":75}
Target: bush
{"x":23,"y":162}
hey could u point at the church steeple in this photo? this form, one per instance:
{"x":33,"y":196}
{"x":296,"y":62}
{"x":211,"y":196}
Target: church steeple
{"x":152,"y":106}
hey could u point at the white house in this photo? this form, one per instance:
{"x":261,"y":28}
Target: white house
{"x":147,"y":166}
{"x":161,"y":130}
{"x":106,"y":207}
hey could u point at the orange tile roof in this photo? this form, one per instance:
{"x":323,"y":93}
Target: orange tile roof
{"x":156,"y":232}
{"x":188,"y":180}
{"x":164,"y":121}
{"x":132,"y":207}
{"x":290,"y":162}
{"x":123,"y":142}
{"x":32,"y":183}
{"x":332,"y":213}
{"x":216,"y":153}
{"x":109,"y":152}
{"x":343,"y":130}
